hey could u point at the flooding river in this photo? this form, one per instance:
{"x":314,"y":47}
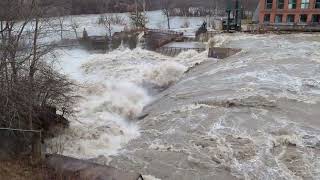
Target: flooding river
{"x":254,"y":115}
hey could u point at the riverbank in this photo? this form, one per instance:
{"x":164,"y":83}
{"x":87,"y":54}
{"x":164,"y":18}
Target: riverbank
{"x":21,"y":169}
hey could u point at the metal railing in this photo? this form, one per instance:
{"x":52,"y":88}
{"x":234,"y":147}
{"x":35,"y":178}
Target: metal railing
{"x":173,"y":51}
{"x":165,"y":31}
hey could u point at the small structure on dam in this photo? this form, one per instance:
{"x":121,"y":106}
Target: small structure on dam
{"x":170,"y":43}
{"x":156,"y":38}
{"x":126,"y":38}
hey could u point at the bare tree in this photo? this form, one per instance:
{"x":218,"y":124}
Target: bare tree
{"x":74,"y":27}
{"x":109,"y":20}
{"x":138,"y":19}
{"x":166,"y":6}
{"x":62,"y":10}
{"x":29,"y":85}
{"x":61,"y":20}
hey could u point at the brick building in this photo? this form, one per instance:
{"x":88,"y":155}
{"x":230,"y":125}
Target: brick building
{"x":296,"y":13}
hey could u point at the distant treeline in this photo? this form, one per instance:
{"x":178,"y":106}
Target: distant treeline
{"x":102,"y":6}
{"x":76,"y":7}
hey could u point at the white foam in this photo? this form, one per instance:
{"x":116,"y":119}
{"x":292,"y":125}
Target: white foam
{"x":150,"y":177}
{"x":111,"y":97}
{"x":101,"y":126}
{"x":166,"y":73}
{"x":191,"y":57}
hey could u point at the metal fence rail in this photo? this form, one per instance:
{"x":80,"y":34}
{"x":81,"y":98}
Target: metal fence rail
{"x":165,"y":31}
{"x":22,"y":142}
{"x":20,"y":130}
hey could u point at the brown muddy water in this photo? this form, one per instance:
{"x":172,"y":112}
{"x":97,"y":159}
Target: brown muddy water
{"x":254,"y":115}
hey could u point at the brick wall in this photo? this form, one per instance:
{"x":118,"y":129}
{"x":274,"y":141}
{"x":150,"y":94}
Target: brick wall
{"x":297,"y":12}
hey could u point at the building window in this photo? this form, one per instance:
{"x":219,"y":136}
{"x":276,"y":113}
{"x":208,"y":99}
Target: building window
{"x":292,"y":4}
{"x":316,"y":18}
{"x":317,"y":4}
{"x":305,"y":4}
{"x":290,"y":18}
{"x":303,"y":18}
{"x":266,"y":18}
{"x":269,"y":4}
{"x":280,"y":4}
{"x":278,"y":18}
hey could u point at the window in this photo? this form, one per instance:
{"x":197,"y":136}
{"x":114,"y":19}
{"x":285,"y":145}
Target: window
{"x":269,"y":4}
{"x":303,"y":18}
{"x":266,"y":18}
{"x":290,"y":18}
{"x":317,"y":4}
{"x":305,"y":4}
{"x":292,"y":4}
{"x":280,"y":4}
{"x":316,"y":18}
{"x":278,"y":18}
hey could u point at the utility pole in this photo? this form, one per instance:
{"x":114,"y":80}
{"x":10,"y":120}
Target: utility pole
{"x":229,"y":14}
{"x":216,"y":8}
{"x":144,"y":6}
{"x":135,"y":1}
{"x":236,"y":18}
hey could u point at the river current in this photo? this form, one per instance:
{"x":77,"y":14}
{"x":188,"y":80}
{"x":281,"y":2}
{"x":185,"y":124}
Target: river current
{"x":254,"y":115}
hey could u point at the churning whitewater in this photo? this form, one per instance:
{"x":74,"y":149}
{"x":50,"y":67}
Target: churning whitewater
{"x":254,"y":115}
{"x":113,"y":90}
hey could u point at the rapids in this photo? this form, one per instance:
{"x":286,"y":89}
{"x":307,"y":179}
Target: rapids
{"x":254,"y":115}
{"x":113,"y":90}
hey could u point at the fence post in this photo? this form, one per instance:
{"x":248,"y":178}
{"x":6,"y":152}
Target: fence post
{"x":36,"y":148}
